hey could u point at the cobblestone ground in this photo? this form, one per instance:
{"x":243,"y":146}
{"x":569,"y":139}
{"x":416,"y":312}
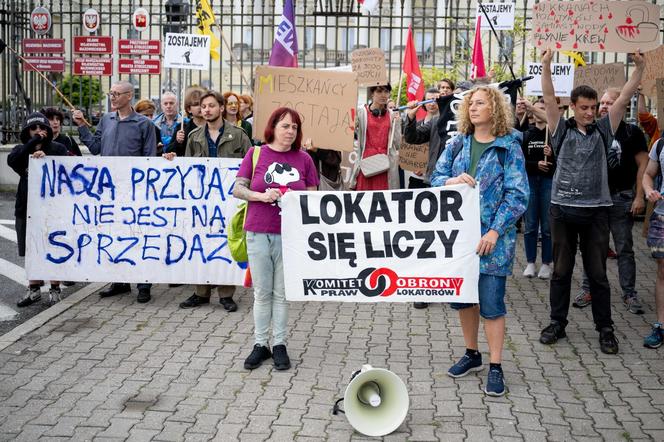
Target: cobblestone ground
{"x":112,"y":369}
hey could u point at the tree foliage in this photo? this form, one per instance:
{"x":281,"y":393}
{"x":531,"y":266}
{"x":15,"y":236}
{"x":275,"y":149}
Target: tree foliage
{"x":81,"y":90}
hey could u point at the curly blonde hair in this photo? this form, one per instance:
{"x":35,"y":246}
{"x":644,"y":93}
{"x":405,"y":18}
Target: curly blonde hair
{"x":501,"y":111}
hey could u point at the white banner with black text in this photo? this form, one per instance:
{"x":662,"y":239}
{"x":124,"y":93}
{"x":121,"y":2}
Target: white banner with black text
{"x":382,"y":246}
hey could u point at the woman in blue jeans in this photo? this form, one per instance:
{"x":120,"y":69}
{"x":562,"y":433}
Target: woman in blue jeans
{"x":281,"y":166}
{"x":540,"y":166}
{"x":487,"y":152}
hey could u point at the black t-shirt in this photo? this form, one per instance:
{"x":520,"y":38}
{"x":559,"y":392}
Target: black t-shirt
{"x":533,"y":151}
{"x":632,"y":141}
{"x":70,"y":144}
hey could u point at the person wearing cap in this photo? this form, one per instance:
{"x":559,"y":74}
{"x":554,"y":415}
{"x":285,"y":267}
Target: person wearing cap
{"x":37,"y":139}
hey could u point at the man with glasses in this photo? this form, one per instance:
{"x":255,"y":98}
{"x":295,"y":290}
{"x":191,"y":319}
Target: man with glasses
{"x":120,"y":133}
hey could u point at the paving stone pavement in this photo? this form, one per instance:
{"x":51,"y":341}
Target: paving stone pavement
{"x":112,"y":369}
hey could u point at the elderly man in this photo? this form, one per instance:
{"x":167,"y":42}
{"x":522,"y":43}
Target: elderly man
{"x":168,"y":118}
{"x":122,"y":132}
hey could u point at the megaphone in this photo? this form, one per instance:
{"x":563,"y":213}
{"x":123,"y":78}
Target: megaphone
{"x":375,"y":402}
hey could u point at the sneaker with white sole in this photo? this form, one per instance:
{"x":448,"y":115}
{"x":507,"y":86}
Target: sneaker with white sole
{"x":32,"y":295}
{"x":544,"y":272}
{"x":530,"y":270}
{"x":633,"y":305}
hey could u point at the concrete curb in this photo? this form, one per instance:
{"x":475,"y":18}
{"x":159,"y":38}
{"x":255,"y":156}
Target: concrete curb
{"x":37,"y":321}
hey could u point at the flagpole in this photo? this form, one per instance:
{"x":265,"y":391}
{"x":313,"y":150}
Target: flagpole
{"x":233,"y":59}
{"x":401,"y":77}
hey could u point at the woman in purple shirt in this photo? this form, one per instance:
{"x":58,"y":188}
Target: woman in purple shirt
{"x":281,"y":166}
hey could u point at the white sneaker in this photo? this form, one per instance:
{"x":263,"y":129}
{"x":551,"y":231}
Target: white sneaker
{"x":544,"y":272}
{"x":530,"y":270}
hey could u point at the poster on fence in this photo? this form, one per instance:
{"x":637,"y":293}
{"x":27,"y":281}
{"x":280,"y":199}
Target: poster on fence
{"x":325,"y":100}
{"x":118,"y":219}
{"x":614,"y":26}
{"x":391,"y":246}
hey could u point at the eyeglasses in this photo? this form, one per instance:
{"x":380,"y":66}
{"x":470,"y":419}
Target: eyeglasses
{"x":117,"y":94}
{"x":232,"y":104}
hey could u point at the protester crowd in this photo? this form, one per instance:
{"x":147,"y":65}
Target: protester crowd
{"x":577,"y":181}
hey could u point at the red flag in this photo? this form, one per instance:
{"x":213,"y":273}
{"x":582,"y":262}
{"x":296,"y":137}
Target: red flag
{"x":411,"y":67}
{"x":477,"y":69}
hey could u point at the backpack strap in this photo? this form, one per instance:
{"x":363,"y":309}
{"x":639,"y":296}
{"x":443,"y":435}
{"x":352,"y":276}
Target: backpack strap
{"x":254,"y":160}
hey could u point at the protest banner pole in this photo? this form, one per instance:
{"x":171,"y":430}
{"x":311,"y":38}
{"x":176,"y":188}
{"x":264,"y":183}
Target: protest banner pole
{"x":233,"y":59}
{"x":500,"y":45}
{"x":3,"y":45}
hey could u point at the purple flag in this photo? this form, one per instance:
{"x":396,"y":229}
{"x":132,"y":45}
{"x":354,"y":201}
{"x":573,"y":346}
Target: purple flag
{"x":284,"y":49}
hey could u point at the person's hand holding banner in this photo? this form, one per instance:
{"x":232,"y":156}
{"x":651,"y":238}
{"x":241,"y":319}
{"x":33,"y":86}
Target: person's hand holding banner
{"x":464,"y":178}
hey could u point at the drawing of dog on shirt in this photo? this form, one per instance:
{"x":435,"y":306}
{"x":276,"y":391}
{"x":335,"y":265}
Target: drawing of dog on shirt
{"x":281,"y":174}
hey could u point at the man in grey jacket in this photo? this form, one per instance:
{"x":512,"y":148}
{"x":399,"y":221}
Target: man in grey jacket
{"x":122,"y":132}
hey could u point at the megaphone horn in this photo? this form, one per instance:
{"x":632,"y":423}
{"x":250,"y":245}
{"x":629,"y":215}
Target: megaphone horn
{"x":375,"y":402}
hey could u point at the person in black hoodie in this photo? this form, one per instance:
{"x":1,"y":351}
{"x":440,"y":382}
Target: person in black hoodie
{"x":55,"y":118}
{"x":37,"y":139}
{"x":540,"y":166}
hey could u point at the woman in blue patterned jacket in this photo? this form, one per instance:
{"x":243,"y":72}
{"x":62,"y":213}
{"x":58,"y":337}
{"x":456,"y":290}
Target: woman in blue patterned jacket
{"x":487,"y":152}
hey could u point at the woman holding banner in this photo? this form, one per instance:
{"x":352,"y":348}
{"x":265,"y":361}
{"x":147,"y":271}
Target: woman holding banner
{"x":378,"y":138}
{"x":280,"y":166}
{"x":487,"y":151}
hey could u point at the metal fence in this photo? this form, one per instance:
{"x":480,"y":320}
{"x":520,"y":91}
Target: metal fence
{"x":328,"y":31}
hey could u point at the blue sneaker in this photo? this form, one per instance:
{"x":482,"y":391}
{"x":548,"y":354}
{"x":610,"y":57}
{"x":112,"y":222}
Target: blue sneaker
{"x":655,"y":338}
{"x":495,"y":384}
{"x":465,"y":365}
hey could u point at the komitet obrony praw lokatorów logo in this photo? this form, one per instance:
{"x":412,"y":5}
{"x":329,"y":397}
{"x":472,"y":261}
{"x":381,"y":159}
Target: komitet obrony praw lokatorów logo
{"x":383,"y":282}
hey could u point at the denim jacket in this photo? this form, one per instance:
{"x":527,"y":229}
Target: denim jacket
{"x":504,"y":192}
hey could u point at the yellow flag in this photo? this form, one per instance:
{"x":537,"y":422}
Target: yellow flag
{"x":205,"y":20}
{"x":577,"y":57}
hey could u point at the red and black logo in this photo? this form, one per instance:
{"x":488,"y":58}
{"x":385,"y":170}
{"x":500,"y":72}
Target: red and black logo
{"x":383,"y":282}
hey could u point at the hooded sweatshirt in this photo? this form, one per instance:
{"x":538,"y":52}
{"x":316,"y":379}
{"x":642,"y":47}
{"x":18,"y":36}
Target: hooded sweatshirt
{"x":19,"y":157}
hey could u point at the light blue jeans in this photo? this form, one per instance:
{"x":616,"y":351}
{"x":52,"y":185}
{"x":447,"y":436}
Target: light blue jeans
{"x":267,"y":274}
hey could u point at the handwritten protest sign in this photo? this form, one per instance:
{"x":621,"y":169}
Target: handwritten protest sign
{"x":660,"y":103}
{"x":187,"y":51}
{"x":369,"y":65}
{"x":616,"y":26}
{"x":131,"y":220}
{"x":414,"y":157}
{"x":600,"y":76}
{"x":325,"y":100}
{"x":562,"y":75}
{"x":403,"y":246}
{"x":654,"y":69}
{"x":501,"y":16}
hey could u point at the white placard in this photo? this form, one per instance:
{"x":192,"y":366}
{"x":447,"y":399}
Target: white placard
{"x":562,"y":75}
{"x":131,"y":219}
{"x":387,"y":246}
{"x":187,"y":51}
{"x":501,"y":16}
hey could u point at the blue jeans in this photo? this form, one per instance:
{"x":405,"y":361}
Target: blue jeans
{"x":537,"y":217}
{"x":620,"y":225}
{"x":267,"y":274}
{"x":492,"y":297}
